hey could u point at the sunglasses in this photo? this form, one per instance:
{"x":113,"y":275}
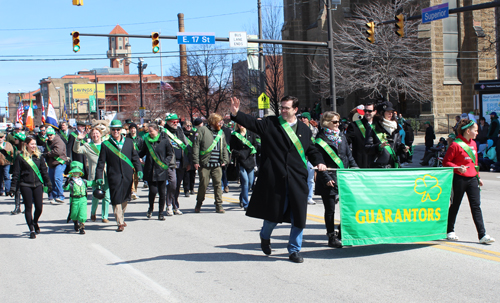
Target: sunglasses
{"x":115,"y":129}
{"x":189,"y":126}
{"x":368,"y":111}
{"x":174,"y":121}
{"x":335,"y":121}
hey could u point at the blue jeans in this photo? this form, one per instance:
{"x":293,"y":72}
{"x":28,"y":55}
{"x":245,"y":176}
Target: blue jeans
{"x":4,"y":178}
{"x":310,"y":180}
{"x":246,"y":178}
{"x":56,"y":177}
{"x":295,"y":239}
{"x":224,"y":181}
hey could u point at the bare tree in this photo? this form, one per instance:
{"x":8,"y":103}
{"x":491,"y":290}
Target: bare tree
{"x":390,"y":67}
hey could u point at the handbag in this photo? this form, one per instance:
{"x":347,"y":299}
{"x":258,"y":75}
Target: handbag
{"x":232,"y":170}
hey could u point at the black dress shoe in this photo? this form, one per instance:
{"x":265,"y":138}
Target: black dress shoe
{"x":265,"y":245}
{"x":296,"y":257}
{"x":37,"y":228}
{"x":149,"y":214}
{"x":161,"y":217}
{"x":32,"y":235}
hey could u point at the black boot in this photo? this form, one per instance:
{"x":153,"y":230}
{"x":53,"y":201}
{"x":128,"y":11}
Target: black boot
{"x":82,"y":228}
{"x":17,"y":209}
{"x":333,"y":241}
{"x":76,"y":225}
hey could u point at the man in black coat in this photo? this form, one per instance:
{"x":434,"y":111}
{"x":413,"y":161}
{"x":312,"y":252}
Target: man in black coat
{"x":122,"y":159}
{"x":356,"y":133}
{"x":281,"y":191}
{"x":80,"y":129}
{"x":64,"y":133}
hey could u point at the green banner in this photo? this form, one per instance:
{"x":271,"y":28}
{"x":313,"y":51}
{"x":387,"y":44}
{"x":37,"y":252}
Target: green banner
{"x":394,"y":205}
{"x":92,"y":104}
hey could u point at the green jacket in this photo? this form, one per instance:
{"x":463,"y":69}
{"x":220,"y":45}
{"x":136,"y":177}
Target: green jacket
{"x":204,"y":139}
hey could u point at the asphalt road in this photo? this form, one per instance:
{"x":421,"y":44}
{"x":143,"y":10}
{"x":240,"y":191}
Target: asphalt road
{"x":210,"y":257}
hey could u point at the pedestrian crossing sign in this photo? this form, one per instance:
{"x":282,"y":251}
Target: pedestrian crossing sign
{"x":263,"y":101}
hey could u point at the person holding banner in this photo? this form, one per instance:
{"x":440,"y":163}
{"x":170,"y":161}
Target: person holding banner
{"x":280,"y":194}
{"x":243,"y":150}
{"x":159,"y":153}
{"x":55,"y":155}
{"x":384,"y":142}
{"x":463,"y":155}
{"x":335,"y":150}
{"x":121,"y":160}
{"x":30,"y":175}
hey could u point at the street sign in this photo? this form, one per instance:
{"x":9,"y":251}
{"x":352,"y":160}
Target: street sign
{"x":142,"y":112}
{"x":263,"y":101}
{"x":435,"y":12}
{"x":195,"y":38}
{"x":238,"y":39}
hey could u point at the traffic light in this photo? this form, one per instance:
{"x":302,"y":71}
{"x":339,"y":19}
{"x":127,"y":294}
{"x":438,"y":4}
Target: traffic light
{"x":400,"y":25}
{"x":78,"y":2}
{"x":371,"y":32}
{"x":76,"y":41}
{"x":156,"y":42}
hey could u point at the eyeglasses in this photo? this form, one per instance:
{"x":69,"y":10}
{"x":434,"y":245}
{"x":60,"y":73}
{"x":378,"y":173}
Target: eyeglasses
{"x":174,"y":121}
{"x":335,"y":121}
{"x":369,"y":111}
{"x":285,"y":108}
{"x":115,"y":129}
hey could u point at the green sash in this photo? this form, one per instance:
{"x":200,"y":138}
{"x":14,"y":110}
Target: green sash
{"x":211,"y":147}
{"x":119,"y":153}
{"x":247,"y":143}
{"x":34,"y":167}
{"x":295,"y":140}
{"x":64,"y":135}
{"x":469,"y":152}
{"x":57,"y":158}
{"x":258,"y":140}
{"x":42,"y":138}
{"x":94,"y":148}
{"x":175,"y":139}
{"x":189,"y":142}
{"x":381,"y":137}
{"x":361,"y":127}
{"x":8,"y":156}
{"x":330,"y":152}
{"x":153,"y":155}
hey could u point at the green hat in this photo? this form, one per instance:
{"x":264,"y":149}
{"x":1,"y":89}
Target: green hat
{"x":76,"y":164}
{"x":116,"y":124}
{"x":81,"y":123}
{"x":427,"y":122}
{"x":171,"y":117}
{"x":50,"y":131}
{"x":20,"y":136}
{"x":76,"y":170}
{"x":452,"y":136}
{"x":306,"y":115}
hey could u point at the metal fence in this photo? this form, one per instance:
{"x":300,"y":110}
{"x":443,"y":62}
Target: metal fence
{"x":442,"y":125}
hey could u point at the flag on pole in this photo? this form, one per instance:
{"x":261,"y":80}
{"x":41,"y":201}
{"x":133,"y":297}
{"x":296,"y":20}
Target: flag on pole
{"x":65,"y":114}
{"x":20,"y":113}
{"x":51,"y":115}
{"x":43,"y":111}
{"x":165,"y":86}
{"x":30,"y":119}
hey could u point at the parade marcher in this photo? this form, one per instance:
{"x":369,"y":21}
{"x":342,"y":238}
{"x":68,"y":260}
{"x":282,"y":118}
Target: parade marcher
{"x":55,"y":155}
{"x":64,"y":134}
{"x":159,"y":154}
{"x":463,"y":155}
{"x":243,"y":150}
{"x":77,"y":188}
{"x":280,"y":194}
{"x":91,"y":151}
{"x":41,"y":138}
{"x":334,"y":149}
{"x":121,"y":160}
{"x":180,"y":162}
{"x":356,"y":133}
{"x":11,"y":136}
{"x":410,"y":138}
{"x":30,"y":174}
{"x":80,"y":129}
{"x":19,"y":139}
{"x":306,"y":118}
{"x":384,"y":142}
{"x":138,"y":142}
{"x":227,"y":134}
{"x":209,"y":156}
{"x":190,"y":175}
{"x":6,"y":160}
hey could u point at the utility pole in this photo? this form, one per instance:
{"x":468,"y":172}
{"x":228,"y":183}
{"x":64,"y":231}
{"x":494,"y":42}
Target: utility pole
{"x":333,"y":95}
{"x":262,"y":66}
{"x":140,"y":89}
{"x":497,"y":38}
{"x":96,"y":102}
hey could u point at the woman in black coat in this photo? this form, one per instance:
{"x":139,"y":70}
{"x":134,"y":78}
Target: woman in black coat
{"x":154,"y":173}
{"x":384,"y":143}
{"x":30,"y":175}
{"x":334,"y":148}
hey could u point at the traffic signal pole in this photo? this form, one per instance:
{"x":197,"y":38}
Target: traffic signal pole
{"x":333,"y":94}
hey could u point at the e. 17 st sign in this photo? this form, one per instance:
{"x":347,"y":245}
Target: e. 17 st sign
{"x":435,"y":12}
{"x":195,"y":38}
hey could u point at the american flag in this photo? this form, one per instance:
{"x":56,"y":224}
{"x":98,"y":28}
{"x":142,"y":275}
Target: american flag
{"x":165,"y":86}
{"x":20,"y":113}
{"x":43,"y":112}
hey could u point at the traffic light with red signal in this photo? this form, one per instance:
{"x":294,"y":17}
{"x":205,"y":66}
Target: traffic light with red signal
{"x":400,"y":25}
{"x":156,"y":42}
{"x":371,"y":32}
{"x":76,"y":41}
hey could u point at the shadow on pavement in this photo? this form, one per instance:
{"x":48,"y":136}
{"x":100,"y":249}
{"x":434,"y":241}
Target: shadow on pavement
{"x":360,"y":251}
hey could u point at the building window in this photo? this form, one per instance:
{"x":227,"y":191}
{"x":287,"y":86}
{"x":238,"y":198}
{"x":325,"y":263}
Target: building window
{"x":120,"y":39}
{"x":450,"y":46}
{"x":119,"y":47}
{"x":112,"y":38}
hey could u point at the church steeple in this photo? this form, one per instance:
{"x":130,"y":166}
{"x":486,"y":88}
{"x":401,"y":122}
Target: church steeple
{"x":119,"y":50}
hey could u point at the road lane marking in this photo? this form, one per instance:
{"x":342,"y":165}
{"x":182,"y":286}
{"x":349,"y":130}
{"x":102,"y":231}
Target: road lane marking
{"x":136,"y":274}
{"x":449,"y":246}
{"x":225,"y":199}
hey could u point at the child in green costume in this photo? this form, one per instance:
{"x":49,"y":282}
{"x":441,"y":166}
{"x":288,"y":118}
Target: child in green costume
{"x":77,"y":186}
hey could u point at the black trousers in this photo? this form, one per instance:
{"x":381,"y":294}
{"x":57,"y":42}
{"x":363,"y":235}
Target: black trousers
{"x":157,"y":187}
{"x":32,"y":195}
{"x":469,"y":185}
{"x":189,"y":178}
{"x":329,"y":204}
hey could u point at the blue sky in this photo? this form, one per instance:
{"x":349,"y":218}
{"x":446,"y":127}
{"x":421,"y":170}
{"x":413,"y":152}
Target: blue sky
{"x":41,"y":30}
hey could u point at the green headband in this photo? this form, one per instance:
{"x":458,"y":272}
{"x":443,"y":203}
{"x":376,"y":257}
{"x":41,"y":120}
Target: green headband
{"x":468,"y":125}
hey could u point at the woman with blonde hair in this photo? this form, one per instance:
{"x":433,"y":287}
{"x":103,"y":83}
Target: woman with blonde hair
{"x":30,"y":174}
{"x":334,"y":148}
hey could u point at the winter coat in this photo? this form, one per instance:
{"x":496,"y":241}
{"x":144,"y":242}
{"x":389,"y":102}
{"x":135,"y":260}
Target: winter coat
{"x":429,"y":136}
{"x":382,"y":158}
{"x":7,"y":148}
{"x":138,"y":142}
{"x":72,"y":137}
{"x":186,"y":157}
{"x":57,"y":150}
{"x":120,"y":174}
{"x":163,"y":151}
{"x":204,"y":138}
{"x":190,"y":134}
{"x":282,"y":172}
{"x":66,"y":138}
{"x":92,"y":156}
{"x":24,"y":175}
{"x":357,"y":140}
{"x":343,"y":152}
{"x":494,"y":129}
{"x":241,"y":152}
{"x":482,"y":133}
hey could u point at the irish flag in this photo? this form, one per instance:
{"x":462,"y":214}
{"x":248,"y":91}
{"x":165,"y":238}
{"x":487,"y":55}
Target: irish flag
{"x":30,"y":119}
